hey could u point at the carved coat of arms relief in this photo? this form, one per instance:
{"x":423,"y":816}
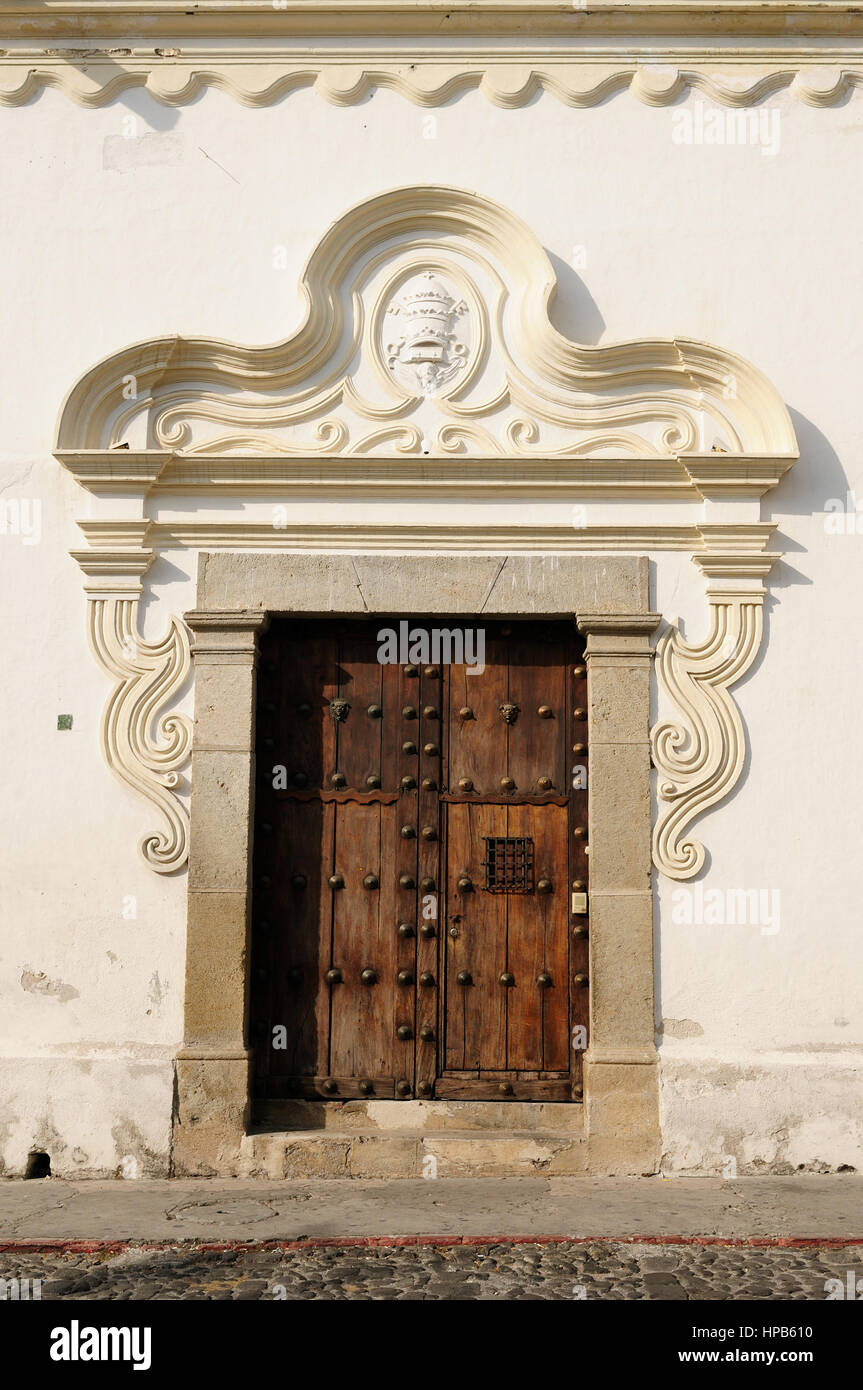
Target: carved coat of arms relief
{"x":426,"y":335}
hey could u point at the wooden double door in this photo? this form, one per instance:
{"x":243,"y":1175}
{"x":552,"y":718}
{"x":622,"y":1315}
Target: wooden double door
{"x":420,"y":863}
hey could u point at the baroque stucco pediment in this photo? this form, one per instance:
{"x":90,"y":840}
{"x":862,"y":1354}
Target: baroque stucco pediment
{"x":508,"y":382}
{"x":427,"y":365}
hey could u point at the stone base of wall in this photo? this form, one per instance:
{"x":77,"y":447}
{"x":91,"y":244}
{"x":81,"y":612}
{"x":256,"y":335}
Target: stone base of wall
{"x":109,"y":1118}
{"x":768,"y":1113}
{"x":94,"y":1118}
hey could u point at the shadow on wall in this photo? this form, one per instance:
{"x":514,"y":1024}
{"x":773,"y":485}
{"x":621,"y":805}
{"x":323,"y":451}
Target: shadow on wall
{"x":574,"y":311}
{"x":817,"y":476}
{"x":139,"y":102}
{"x":817,"y":479}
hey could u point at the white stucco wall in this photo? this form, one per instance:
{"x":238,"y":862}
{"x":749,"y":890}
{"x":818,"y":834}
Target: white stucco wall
{"x":107,"y":240}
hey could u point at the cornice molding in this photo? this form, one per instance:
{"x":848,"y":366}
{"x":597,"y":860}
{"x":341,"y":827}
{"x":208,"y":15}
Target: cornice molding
{"x":478,"y":538}
{"x":736,"y":53}
{"x":264,"y":19}
{"x":739,"y":544}
{"x":509,"y":75}
{"x":685,"y":477}
{"x":252,"y":15}
{"x":639,"y":625}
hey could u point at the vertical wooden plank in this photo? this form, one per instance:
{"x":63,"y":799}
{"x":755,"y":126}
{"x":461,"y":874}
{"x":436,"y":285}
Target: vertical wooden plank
{"x":358,"y":752}
{"x":309,"y":680}
{"x":526,"y":917}
{"x":455,"y":949}
{"x":301,"y":934}
{"x":551,"y":826}
{"x":391,"y":703}
{"x":362,"y":1015}
{"x":476,"y":1013}
{"x":477,"y":742}
{"x":537,"y":677}
{"x":391,"y":999}
{"x":433,"y":682}
{"x":407,"y":740}
{"x":400,"y":869}
{"x":322,"y":993}
{"x":308,"y":663}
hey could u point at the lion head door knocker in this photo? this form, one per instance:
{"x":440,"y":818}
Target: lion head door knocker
{"x":509,"y":712}
{"x":431,"y":350}
{"x":339,"y":709}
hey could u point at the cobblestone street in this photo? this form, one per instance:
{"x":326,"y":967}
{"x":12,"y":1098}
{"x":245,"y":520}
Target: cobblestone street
{"x":521,"y":1271}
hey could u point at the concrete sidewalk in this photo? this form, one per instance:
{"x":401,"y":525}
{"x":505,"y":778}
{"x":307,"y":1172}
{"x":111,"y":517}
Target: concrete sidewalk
{"x":805,"y":1207}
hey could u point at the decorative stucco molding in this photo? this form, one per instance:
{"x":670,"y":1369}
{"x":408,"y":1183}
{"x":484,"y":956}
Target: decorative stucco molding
{"x":192,"y":442}
{"x":735,"y":53}
{"x":430,"y":79}
{"x":460,"y":533}
{"x":525,"y":390}
{"x":700,"y":756}
{"x":685,"y":477}
{"x":143,"y":745}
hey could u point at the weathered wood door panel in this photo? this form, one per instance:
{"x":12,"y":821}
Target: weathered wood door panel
{"x":510,"y":1017}
{"x":417,"y":837}
{"x":362,"y":1008}
{"x":507,"y":1017}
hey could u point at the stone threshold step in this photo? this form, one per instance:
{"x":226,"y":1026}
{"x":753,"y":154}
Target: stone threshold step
{"x":411,"y":1154}
{"x":486,"y":1117}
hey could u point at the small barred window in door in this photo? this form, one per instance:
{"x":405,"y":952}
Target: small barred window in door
{"x":508,"y":865}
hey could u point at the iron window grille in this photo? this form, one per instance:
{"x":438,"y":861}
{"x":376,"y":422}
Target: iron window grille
{"x":508,"y":864}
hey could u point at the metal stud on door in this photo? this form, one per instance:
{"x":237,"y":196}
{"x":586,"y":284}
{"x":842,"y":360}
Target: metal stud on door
{"x":428,"y":870}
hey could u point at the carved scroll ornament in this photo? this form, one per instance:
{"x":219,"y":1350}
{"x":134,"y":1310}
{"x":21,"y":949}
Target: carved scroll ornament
{"x":700,"y":754}
{"x":144,"y":746}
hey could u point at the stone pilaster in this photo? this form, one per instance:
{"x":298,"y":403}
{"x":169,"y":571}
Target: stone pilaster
{"x":620,"y":1066}
{"x":213,"y":1067}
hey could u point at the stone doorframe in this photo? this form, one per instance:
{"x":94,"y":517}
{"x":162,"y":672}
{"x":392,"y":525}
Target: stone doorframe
{"x":608,"y":597}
